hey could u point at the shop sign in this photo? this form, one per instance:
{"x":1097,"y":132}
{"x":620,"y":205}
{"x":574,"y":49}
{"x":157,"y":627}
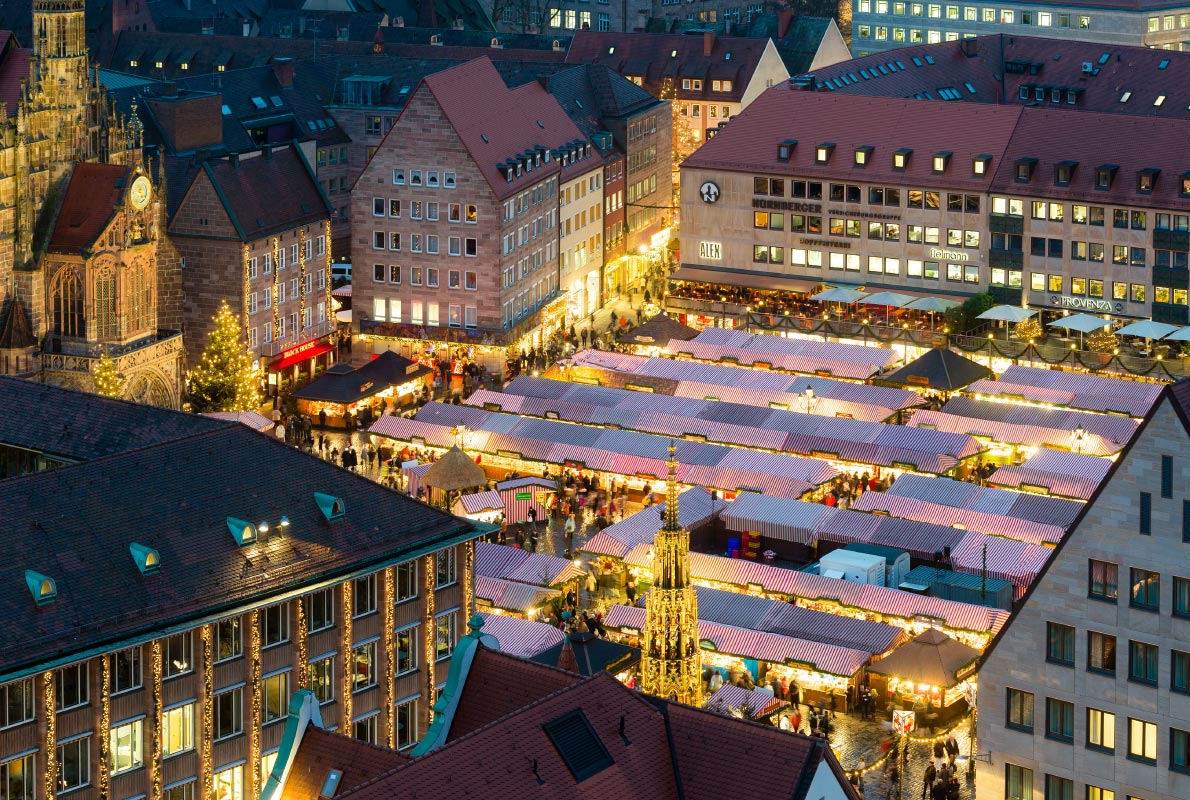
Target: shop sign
{"x":304,"y":347}
{"x":412,"y":368}
{"x":712,"y":251}
{"x":949,"y":255}
{"x":1085,"y":304}
{"x":786,"y":205}
{"x":659,"y":240}
{"x":363,"y":387}
{"x":523,"y":496}
{"x":826,"y":243}
{"x":709,"y":192}
{"x":904,"y":721}
{"x":917,"y":380}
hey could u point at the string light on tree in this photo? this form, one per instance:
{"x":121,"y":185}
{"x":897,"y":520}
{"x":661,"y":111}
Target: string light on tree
{"x":109,"y":381}
{"x":224,"y":380}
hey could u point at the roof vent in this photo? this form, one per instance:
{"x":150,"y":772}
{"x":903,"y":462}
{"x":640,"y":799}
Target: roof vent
{"x":243,"y":532}
{"x":42,"y":587}
{"x":578,"y":744}
{"x":148,"y":560}
{"x":330,"y":785}
{"x":333,"y":508}
{"x":1088,"y":67}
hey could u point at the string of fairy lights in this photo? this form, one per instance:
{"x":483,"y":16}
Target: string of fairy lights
{"x":208,"y":708}
{"x":327,"y":267}
{"x":246,"y":257}
{"x":51,"y":732}
{"x":253,"y":768}
{"x":155,"y":732}
{"x":300,"y":642}
{"x":345,"y":645}
{"x":105,"y":724}
{"x":468,"y":581}
{"x":302,"y":276}
{"x":431,"y":632}
{"x":276,"y":279}
{"x":390,"y":658}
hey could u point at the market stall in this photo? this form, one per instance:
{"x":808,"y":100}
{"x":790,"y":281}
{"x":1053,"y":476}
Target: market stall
{"x":485,"y":506}
{"x":510,"y":597}
{"x":940,"y":370}
{"x":961,"y":495}
{"x":758,"y":705}
{"x":930,"y":674}
{"x":651,"y":337}
{"x":521,"y":637}
{"x":519,"y":566}
{"x":450,"y":476}
{"x":519,"y":495}
{"x":347,"y":395}
{"x":806,"y":356}
{"x":1090,"y":392}
{"x":1055,"y":472}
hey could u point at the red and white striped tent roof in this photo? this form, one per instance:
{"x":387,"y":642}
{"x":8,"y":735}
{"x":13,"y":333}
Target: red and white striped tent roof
{"x":760,"y":645}
{"x":479,"y":503}
{"x":1061,"y":473}
{"x":759,"y":703}
{"x":993,"y":524}
{"x":1092,"y":392}
{"x":1008,"y":560}
{"x":695,"y":507}
{"x":514,"y":564}
{"x":959,"y":494}
{"x":521,"y":637}
{"x":1027,"y":435}
{"x":519,"y":598}
{"x":1112,"y":427}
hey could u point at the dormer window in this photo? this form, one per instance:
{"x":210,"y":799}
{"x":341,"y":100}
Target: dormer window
{"x":785,"y":149}
{"x":333,"y":508}
{"x":1024,"y":169}
{"x":863,"y":155}
{"x":981,"y":166}
{"x":1064,"y":172}
{"x":940,"y":161}
{"x":1146,"y":179}
{"x":148,"y":560}
{"x":1184,"y":189}
{"x":822,"y":153}
{"x":243,"y":532}
{"x":1104,"y":175}
{"x":901,"y":158}
{"x":42,"y":587}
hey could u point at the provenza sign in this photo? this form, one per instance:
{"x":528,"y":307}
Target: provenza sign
{"x":1084,"y":303}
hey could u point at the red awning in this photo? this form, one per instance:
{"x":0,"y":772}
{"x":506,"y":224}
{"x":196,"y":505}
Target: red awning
{"x":316,"y":350}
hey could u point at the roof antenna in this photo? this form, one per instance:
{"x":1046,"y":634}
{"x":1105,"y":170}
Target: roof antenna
{"x":622,"y":736}
{"x":540,"y":782}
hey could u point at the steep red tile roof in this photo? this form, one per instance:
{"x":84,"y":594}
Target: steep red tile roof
{"x":14,"y":68}
{"x":498,"y":684}
{"x":497,"y":124}
{"x":658,"y":56}
{"x":515,"y":757}
{"x":91,"y":199}
{"x":997,"y":66}
{"x":321,"y":751}
{"x":267,"y":194}
{"x":749,"y":142}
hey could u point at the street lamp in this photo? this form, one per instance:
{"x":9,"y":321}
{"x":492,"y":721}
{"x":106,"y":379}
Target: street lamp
{"x":1078,"y":439}
{"x":809,"y":400}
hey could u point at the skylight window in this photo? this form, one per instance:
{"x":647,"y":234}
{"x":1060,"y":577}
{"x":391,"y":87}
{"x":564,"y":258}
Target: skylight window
{"x":1160,"y":99}
{"x":611,"y":50}
{"x":673,"y":53}
{"x":929,"y":59}
{"x":579,"y":745}
{"x":226,"y":110}
{"x":1164,"y":63}
{"x":276,"y":101}
{"x":1125,"y":97}
{"x":970,"y":88}
{"x":259,"y":102}
{"x":916,"y":61}
{"x":1103,"y":59}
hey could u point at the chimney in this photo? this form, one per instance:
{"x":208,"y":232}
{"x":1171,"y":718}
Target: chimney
{"x":708,"y":43}
{"x":784,"y":21}
{"x":970,"y":47}
{"x":247,"y":27}
{"x":458,"y":23}
{"x":234,"y":160}
{"x":399,"y":22}
{"x":267,"y":152}
{"x":283,"y":69}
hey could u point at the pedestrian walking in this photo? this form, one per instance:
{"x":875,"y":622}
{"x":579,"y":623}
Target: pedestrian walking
{"x":630,"y":590}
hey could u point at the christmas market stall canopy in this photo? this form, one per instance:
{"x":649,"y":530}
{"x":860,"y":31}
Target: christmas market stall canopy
{"x":1088,"y":392}
{"x":1002,"y":437}
{"x":972,"y":497}
{"x":485,"y":506}
{"x":826,"y":359}
{"x":521,"y":637}
{"x":1116,"y":430}
{"x":756,"y":704}
{"x":940,"y":369}
{"x":995,"y":524}
{"x":753,"y":387}
{"x":930,"y":659}
{"x":1055,"y":472}
{"x":519,"y":495}
{"x":591,"y":654}
{"x":657,"y":332}
{"x":696,"y":507}
{"x":253,"y":419}
{"x":514,"y":564}
{"x":845,"y":440}
{"x":387,"y":374}
{"x":523,"y":443}
{"x":522,"y":599}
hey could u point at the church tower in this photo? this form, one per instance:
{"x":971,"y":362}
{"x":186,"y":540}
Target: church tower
{"x":671,"y":663}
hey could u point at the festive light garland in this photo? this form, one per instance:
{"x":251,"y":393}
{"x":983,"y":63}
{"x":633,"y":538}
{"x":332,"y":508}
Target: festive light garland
{"x":348,"y":658}
{"x":303,"y":669}
{"x":329,"y":260}
{"x":105,"y":724}
{"x":51,"y":732}
{"x":155,"y":731}
{"x":302,"y":276}
{"x":247,"y":289}
{"x":431,"y":632}
{"x":253,"y":769}
{"x":208,"y":710}
{"x":469,"y":578}
{"x":276,"y":272}
{"x":905,"y":739}
{"x":390,"y":658}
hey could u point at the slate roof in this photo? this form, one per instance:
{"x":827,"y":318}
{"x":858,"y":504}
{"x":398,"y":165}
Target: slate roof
{"x":71,"y":425}
{"x":496,"y":123}
{"x":803,"y":36}
{"x":75,"y":524}
{"x":263,"y":195}
{"x":590,"y":92}
{"x":941,"y":368}
{"x":94,"y":192}
{"x":321,"y":751}
{"x":1024,"y":61}
{"x":590,"y":654}
{"x":14,"y":68}
{"x":651,"y":56}
{"x":387,"y":369}
{"x":658,"y":331}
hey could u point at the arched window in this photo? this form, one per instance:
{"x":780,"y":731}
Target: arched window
{"x":67,"y":301}
{"x":107,"y":323}
{"x":140,"y":295}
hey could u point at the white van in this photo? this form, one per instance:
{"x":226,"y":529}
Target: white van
{"x":341,"y":272}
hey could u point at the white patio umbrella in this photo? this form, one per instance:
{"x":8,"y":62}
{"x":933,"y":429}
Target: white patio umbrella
{"x":932,"y":305}
{"x":1083,"y":323}
{"x":886,"y":299}
{"x":1148,"y":329}
{"x":1180,"y":335}
{"x":1007,"y":313}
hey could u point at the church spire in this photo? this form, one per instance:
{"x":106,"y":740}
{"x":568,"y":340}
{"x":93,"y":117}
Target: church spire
{"x":671,"y":662}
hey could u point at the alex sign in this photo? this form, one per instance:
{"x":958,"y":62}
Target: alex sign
{"x":711,"y":251}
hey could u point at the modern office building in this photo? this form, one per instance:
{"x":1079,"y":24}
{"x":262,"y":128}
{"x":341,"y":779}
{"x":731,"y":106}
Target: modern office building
{"x":1086,"y":691}
{"x":178,"y":578}
{"x":944,"y":198}
{"x":880,"y":25}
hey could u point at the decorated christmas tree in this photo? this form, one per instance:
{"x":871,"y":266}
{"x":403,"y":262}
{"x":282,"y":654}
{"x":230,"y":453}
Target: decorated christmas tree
{"x":224,"y":380}
{"x":109,"y":381}
{"x":1028,"y":330}
{"x":1103,"y":340}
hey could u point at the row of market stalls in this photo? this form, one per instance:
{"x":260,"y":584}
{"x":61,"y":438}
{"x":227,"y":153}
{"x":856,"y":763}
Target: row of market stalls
{"x":640,"y":459}
{"x":851,"y":442}
{"x":806,"y":356}
{"x":1071,"y":389}
{"x":385,"y":383}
